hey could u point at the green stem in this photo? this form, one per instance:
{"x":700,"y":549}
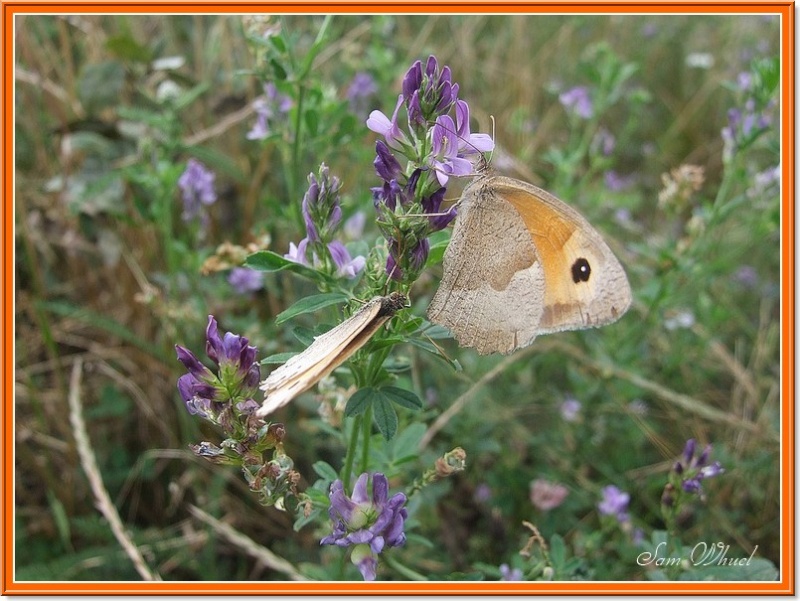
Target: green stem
{"x":407,"y":572}
{"x":298,"y":128}
{"x":347,"y":470}
{"x":342,"y":564}
{"x":366,"y":425}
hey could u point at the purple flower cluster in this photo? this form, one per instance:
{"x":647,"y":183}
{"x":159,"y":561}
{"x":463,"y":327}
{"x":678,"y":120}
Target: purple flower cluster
{"x":747,"y":123}
{"x":570,"y":409}
{"x":437,"y":143}
{"x":692,"y":469}
{"x":510,"y":574}
{"x":245,"y":280}
{"x":744,"y":124}
{"x":272,"y":105}
{"x":207,"y":394}
{"x":367,"y":523}
{"x":615,"y":503}
{"x":360,"y":92}
{"x":197,"y":189}
{"x":577,"y":101}
{"x":322,"y":214}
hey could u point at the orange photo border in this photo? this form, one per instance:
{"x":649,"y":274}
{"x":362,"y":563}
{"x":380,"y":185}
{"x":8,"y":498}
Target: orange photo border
{"x":785,"y":586}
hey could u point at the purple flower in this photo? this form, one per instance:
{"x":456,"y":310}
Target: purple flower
{"x":197,"y":388}
{"x":392,"y":269}
{"x":614,"y":502}
{"x":469,"y":143}
{"x":297,"y":253}
{"x":268,"y":107}
{"x":623,"y":216}
{"x":353,"y":228}
{"x":747,"y":276}
{"x":363,"y":85}
{"x":437,"y":146}
{"x":445,"y":158}
{"x":506,"y":573}
{"x":196,"y":394}
{"x":616,"y":182}
{"x":368,"y":523}
{"x":744,"y":125}
{"x":414,"y":258}
{"x":605,"y":141}
{"x":386,"y":164}
{"x":245,"y":280}
{"x":577,"y":101}
{"x":428,"y":93}
{"x":649,"y":30}
{"x":692,"y":468}
{"x":570,"y":409}
{"x":346,"y":266}
{"x":483,"y":493}
{"x":419,"y":254}
{"x":322,"y":212}
{"x":197,"y":187}
{"x":232,"y":353}
{"x":388,"y":128}
{"x":744,"y":81}
{"x":360,"y":91}
{"x":432,"y":205}
{"x":239,"y":373}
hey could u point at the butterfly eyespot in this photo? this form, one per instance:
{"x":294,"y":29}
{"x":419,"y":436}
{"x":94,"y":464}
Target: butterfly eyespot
{"x":581,"y":271}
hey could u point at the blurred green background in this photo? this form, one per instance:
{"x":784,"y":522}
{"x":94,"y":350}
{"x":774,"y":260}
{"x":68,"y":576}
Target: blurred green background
{"x":108,"y":273}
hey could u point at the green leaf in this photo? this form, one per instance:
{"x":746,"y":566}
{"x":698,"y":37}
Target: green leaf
{"x":125,"y":47}
{"x":758,"y":568}
{"x":435,"y":332}
{"x":277,"y":358}
{"x":278,"y":42}
{"x":277,"y":70}
{"x":189,"y":96}
{"x":304,"y":335}
{"x":384,"y":415}
{"x":312,"y":121}
{"x":406,"y":445}
{"x":558,"y":551}
{"x":768,"y":71}
{"x":358,"y":403}
{"x":266,"y":260}
{"x":402,"y":397}
{"x":100,"y":85}
{"x":61,"y":520}
{"x":309,"y":304}
{"x":302,"y":519}
{"x":325,"y":471}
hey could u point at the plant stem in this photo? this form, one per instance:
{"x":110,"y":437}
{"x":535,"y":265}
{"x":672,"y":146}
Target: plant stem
{"x":347,"y":470}
{"x":366,"y":425}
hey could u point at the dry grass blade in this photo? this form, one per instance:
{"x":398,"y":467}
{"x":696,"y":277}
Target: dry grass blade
{"x":89,"y":465}
{"x":682,"y":401}
{"x":462,"y":401}
{"x":248,"y":545}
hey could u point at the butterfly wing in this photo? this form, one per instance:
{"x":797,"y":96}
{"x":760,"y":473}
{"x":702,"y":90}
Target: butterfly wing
{"x":492,"y":291}
{"x":585,"y":284}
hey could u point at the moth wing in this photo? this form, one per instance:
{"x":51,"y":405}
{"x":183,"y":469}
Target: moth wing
{"x":321,"y":357}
